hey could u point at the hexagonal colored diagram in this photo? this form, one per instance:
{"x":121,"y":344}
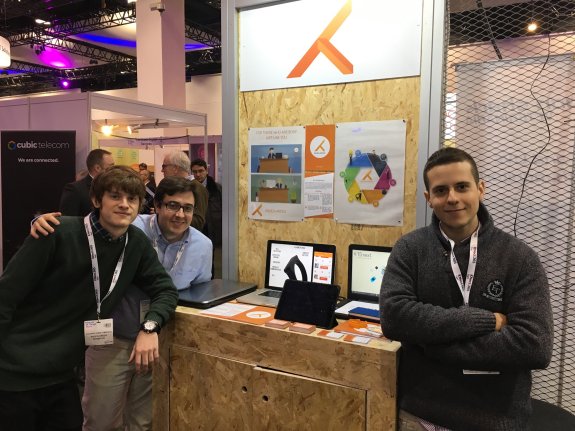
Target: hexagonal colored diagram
{"x":367,"y":177}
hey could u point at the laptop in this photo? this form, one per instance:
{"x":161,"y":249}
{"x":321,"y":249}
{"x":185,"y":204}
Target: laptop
{"x":294,"y":261}
{"x":366,"y":266}
{"x":213,"y":292}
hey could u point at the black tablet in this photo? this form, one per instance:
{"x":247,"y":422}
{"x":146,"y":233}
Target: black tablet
{"x":308,"y":302}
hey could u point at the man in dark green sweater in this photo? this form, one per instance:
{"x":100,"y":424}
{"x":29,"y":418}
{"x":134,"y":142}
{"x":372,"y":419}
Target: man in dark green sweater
{"x":56,"y":295}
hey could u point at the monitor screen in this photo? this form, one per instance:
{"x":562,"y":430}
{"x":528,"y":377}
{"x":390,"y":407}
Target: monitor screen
{"x":366,"y":268}
{"x":299,"y":261}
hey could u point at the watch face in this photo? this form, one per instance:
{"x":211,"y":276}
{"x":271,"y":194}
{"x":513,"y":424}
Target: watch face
{"x":150,"y":326}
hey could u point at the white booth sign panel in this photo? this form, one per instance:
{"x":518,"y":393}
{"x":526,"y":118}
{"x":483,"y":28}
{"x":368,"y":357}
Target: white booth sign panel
{"x":316,"y":42}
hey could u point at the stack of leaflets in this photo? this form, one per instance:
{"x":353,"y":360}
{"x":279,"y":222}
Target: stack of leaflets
{"x":359,"y":327}
{"x":364,"y":313}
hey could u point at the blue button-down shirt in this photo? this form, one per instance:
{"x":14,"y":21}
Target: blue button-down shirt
{"x":194,"y":266}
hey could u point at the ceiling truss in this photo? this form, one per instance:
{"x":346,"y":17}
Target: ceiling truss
{"x":108,"y":68}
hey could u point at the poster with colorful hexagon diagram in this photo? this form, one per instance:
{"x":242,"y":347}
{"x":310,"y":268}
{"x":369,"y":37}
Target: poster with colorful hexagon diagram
{"x":369,"y":172}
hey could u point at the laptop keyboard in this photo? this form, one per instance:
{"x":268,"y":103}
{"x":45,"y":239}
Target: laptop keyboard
{"x":272,"y":293}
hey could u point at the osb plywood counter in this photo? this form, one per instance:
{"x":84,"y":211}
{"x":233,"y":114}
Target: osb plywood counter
{"x":227,"y":375}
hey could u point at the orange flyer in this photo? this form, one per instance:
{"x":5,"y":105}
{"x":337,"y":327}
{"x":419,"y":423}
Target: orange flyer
{"x":360,"y":327}
{"x":257,"y":315}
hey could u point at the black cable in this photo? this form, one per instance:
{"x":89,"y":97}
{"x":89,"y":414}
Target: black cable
{"x":548,"y":134}
{"x":492,"y":38}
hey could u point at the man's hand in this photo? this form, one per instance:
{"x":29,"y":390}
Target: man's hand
{"x":500,"y":321}
{"x":42,"y":226}
{"x":145,"y":352}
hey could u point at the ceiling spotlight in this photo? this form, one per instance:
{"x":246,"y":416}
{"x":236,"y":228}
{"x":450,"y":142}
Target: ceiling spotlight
{"x":532,"y":26}
{"x":106,"y":128}
{"x":41,"y":21}
{"x":65,"y":83}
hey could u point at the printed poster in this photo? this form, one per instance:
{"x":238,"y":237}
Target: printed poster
{"x":319,"y":162}
{"x":369,"y":172}
{"x":276,"y":170}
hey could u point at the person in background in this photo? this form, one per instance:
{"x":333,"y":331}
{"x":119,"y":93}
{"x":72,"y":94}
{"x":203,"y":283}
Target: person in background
{"x":150,"y":190}
{"x":213,"y":227}
{"x":115,"y":396}
{"x":177,"y":164}
{"x":470,"y":305}
{"x":75,"y":199}
{"x":57,"y":294}
{"x":81,"y":174}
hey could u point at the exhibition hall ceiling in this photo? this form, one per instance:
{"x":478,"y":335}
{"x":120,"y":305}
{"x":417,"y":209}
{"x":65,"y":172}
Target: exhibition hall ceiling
{"x":91,"y":44}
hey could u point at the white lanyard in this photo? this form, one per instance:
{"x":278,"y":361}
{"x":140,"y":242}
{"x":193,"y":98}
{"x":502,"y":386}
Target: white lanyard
{"x":155,"y":244}
{"x":465,"y":287}
{"x":95,"y":269}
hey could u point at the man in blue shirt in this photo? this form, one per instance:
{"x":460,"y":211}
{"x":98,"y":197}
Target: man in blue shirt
{"x":115,"y":396}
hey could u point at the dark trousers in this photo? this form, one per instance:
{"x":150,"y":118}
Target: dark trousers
{"x":53,"y":408}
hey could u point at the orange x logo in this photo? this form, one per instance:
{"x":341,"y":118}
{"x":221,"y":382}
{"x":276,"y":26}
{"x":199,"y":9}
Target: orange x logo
{"x":367,"y":176}
{"x":322,"y":44}
{"x":257,"y":211}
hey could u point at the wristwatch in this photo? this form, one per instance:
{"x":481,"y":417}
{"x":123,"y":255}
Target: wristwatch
{"x":149,"y":326}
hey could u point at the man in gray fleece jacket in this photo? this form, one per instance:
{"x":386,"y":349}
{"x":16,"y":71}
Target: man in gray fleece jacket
{"x":470,"y":305}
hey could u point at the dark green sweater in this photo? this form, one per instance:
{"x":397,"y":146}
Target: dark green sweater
{"x":47,"y":292}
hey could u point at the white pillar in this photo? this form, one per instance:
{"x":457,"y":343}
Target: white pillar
{"x":161,"y":54}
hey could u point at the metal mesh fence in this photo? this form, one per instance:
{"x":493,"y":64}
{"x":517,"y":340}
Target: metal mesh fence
{"x":509,"y":94}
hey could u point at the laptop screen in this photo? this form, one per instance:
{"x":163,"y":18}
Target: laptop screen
{"x":299,"y":261}
{"x":366,"y":266}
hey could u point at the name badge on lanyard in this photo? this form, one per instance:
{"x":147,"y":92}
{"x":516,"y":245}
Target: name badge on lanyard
{"x":464,"y":285}
{"x":100,"y":332}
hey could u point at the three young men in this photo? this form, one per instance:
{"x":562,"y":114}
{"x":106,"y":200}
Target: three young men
{"x":470,"y":305}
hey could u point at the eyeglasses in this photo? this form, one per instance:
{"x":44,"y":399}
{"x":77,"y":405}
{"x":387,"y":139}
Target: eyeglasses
{"x":165,"y":166}
{"x":176,"y":206}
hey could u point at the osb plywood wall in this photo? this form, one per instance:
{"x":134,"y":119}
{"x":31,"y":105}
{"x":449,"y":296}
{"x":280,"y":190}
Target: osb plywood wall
{"x":395,"y":99}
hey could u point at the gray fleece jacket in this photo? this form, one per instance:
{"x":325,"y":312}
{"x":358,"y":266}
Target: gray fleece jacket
{"x":422,"y":306}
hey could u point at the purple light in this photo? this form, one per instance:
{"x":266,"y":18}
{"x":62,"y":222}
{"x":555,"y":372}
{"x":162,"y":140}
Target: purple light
{"x":64,"y":83}
{"x":55,"y":58}
{"x":108,"y":40}
{"x":194,"y":46}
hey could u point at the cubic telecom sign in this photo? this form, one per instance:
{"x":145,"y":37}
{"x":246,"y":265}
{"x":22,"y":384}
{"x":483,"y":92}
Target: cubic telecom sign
{"x":316,"y":42}
{"x":4,"y":52}
{"x":35,"y":166}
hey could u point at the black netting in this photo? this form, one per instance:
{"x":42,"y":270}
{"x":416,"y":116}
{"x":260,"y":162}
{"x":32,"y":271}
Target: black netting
{"x":509,"y":102}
